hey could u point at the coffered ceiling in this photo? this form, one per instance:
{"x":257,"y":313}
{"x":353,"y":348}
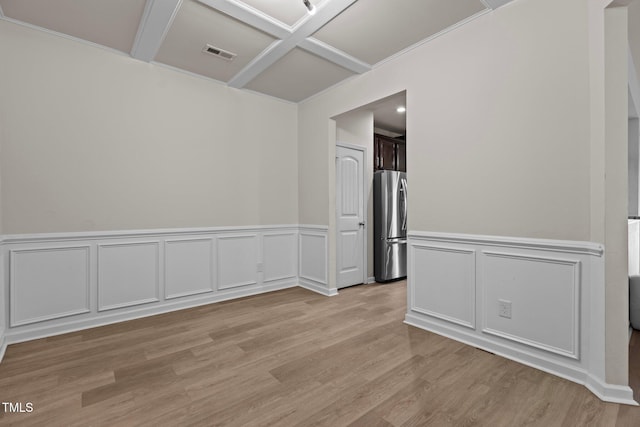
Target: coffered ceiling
{"x":275,"y":46}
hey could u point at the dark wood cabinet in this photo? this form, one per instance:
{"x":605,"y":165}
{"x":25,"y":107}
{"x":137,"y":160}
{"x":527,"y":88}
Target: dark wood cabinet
{"x":401,"y":157}
{"x":389,"y":153}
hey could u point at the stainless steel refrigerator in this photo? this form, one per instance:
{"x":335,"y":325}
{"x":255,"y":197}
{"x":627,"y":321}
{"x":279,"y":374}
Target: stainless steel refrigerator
{"x":390,"y":225}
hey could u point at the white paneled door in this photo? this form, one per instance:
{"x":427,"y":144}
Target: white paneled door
{"x":350,"y":216}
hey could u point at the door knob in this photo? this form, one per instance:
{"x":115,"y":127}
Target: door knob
{"x":361,"y":224}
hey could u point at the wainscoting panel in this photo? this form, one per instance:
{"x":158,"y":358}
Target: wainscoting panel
{"x":280,"y":256}
{"x":188,"y":267}
{"x":447,"y":283}
{"x":544,"y":294}
{"x":55,"y":283}
{"x":313,"y":270}
{"x":128,"y":274}
{"x":313,"y":256}
{"x":48,"y":283}
{"x":237,"y":260}
{"x":537,"y":301}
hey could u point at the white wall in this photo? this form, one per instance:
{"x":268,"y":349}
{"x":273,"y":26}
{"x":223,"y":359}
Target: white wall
{"x":357,"y":128}
{"x":94,"y":140}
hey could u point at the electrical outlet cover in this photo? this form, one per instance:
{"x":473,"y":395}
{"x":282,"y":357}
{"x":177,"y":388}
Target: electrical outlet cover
{"x":504,"y":308}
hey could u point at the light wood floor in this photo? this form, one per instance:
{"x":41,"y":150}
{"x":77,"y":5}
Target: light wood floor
{"x":288,"y":358}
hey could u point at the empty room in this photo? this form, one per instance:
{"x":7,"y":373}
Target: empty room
{"x":319,"y":212}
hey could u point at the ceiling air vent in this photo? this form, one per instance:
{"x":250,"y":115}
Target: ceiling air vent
{"x":220,"y":53}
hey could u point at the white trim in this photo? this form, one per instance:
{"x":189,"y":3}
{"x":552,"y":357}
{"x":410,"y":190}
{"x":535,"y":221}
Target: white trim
{"x":317,"y":287}
{"x":160,"y":232}
{"x":261,"y":62}
{"x":610,"y":392}
{"x":3,"y":345}
{"x":307,"y":227}
{"x":605,"y":392}
{"x":307,"y":26}
{"x":154,"y":25}
{"x":17,"y":336}
{"x":565,"y":246}
{"x":494,"y":4}
{"x":334,"y":55}
{"x":564,"y":370}
{"x":371,"y":280}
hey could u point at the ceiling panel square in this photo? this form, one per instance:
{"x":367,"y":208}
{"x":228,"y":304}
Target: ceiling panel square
{"x":297,"y":76}
{"x":286,"y":11}
{"x":112,"y":23}
{"x":373,"y":30}
{"x":197,"y":25}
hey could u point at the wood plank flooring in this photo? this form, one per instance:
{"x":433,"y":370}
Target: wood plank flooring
{"x":288,"y":358}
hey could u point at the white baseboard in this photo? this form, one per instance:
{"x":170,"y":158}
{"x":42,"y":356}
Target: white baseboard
{"x":3,"y":345}
{"x":73,"y":325}
{"x":610,"y":392}
{"x":317,"y":287}
{"x":371,"y":280}
{"x":563,"y":370}
{"x":605,"y":392}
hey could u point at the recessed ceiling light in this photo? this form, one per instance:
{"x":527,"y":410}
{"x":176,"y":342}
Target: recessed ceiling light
{"x":311,"y":9}
{"x":401,"y":109}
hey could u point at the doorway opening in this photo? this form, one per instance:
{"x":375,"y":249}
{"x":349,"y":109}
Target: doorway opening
{"x":378,"y":131}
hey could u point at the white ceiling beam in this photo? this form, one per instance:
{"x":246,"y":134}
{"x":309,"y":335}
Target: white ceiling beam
{"x":334,"y":55}
{"x":248,"y":15}
{"x":312,"y":23}
{"x":155,"y":23}
{"x":494,"y":4}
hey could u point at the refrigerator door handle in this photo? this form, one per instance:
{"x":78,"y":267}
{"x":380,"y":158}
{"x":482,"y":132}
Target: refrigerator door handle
{"x":396,"y":240}
{"x":403,"y":183}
